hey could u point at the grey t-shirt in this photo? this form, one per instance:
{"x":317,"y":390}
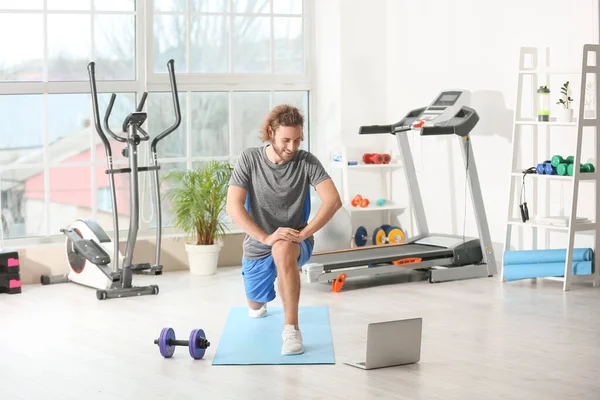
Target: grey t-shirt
{"x":276,"y":194}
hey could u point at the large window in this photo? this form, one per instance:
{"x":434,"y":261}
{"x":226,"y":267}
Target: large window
{"x":234,"y":60}
{"x":223,"y":36}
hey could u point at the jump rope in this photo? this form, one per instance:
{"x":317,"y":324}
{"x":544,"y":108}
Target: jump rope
{"x":523,"y":197}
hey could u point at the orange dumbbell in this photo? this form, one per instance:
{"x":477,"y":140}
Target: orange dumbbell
{"x":358,"y":200}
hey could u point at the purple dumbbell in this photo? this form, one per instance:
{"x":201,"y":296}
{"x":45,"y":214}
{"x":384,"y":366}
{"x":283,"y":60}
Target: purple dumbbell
{"x":197,"y":344}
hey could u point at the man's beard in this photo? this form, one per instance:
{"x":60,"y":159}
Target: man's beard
{"x":282,"y":152}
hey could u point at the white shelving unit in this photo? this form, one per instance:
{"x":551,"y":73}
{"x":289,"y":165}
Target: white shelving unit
{"x":371,"y":181}
{"x":540,"y":73}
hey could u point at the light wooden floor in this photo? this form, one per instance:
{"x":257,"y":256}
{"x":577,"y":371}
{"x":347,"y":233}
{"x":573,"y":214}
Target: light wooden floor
{"x":481,"y":340}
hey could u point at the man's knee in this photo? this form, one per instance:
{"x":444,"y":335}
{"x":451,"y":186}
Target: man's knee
{"x":285,"y":252}
{"x":259,"y":277}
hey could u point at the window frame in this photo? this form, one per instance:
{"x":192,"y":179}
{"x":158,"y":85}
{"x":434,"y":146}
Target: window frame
{"x":227,"y":81}
{"x":145,"y":79}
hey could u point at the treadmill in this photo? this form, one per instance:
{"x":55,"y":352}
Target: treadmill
{"x":444,"y":257}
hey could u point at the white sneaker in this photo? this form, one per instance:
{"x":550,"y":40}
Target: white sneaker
{"x":292,"y":341}
{"x":261,"y":312}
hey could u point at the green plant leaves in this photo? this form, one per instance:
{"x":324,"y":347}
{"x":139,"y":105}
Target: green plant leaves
{"x":198,"y":198}
{"x":564,"y":90}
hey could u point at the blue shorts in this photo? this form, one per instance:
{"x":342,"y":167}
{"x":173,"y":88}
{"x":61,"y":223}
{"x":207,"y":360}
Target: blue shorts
{"x":259,"y":275}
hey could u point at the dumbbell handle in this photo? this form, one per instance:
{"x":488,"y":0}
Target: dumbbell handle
{"x":174,"y":342}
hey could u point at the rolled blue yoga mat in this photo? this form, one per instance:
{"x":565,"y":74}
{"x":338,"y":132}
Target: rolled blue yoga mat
{"x":513,"y":272}
{"x":516,"y":257}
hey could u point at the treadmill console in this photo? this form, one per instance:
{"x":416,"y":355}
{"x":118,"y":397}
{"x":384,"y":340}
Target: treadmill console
{"x":446,"y":103}
{"x":446,"y":99}
{"x":446,"y":115}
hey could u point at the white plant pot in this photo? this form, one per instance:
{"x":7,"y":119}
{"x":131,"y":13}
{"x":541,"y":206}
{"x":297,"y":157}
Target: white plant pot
{"x":564,"y":115}
{"x":203,"y":259}
{"x":589,"y":113}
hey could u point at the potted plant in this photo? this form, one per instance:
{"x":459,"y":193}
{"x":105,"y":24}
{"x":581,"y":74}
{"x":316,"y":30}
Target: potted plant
{"x":590,"y":100}
{"x":198,"y":198}
{"x":565,"y":113}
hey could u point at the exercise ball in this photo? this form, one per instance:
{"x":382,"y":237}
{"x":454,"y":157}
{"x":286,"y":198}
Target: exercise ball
{"x":336,"y":234}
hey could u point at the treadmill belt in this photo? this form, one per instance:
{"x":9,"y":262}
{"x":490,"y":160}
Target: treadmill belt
{"x":379,"y":254}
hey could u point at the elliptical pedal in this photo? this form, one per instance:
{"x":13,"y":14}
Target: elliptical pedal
{"x":146,"y":269}
{"x":92,"y":251}
{"x":87,"y":248}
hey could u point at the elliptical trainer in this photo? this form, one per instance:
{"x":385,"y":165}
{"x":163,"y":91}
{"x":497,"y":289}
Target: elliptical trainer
{"x":88,"y":247}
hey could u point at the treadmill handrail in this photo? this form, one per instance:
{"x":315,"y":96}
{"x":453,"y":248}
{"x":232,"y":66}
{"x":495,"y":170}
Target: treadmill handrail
{"x":460,"y":124}
{"x":405,"y":124}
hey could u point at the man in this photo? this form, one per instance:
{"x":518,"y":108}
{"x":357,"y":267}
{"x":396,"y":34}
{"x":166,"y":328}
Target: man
{"x":269,"y":198}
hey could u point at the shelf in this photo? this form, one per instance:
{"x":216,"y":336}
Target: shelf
{"x":535,"y":63}
{"x":551,"y":71}
{"x":366,"y":166}
{"x":581,"y":227}
{"x":373,"y":207}
{"x":558,"y":71}
{"x":587,"y":176}
{"x":548,"y":123}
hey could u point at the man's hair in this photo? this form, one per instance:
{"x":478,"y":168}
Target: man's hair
{"x":281,"y":115}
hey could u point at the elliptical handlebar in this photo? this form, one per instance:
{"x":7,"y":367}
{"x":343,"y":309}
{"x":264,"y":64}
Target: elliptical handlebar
{"x":107,"y":116}
{"x":145,"y":136}
{"x":163,"y":134}
{"x":92,"y":75}
{"x":142,"y":102}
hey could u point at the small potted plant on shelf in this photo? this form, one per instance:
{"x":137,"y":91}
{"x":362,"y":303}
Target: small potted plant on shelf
{"x":590,"y":100}
{"x":198,"y":198}
{"x":565,"y":114}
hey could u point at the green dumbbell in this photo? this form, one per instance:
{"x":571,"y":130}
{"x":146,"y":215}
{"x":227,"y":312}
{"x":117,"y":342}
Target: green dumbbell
{"x":562,"y":169}
{"x":557,"y":160}
{"x":583,"y":168}
{"x":590,"y":167}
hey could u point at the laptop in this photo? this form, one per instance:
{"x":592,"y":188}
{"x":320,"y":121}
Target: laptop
{"x":392,"y":343}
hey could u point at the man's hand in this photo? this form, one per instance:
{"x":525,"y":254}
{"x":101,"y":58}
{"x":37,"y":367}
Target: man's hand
{"x":289,"y":234}
{"x":302,"y":236}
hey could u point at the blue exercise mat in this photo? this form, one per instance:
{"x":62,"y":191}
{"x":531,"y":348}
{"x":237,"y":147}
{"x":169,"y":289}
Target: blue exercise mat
{"x":515,"y":272}
{"x":254,"y":341}
{"x":545,"y":256}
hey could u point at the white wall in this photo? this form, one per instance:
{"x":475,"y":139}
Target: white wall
{"x":350,"y":72}
{"x":378,"y":59}
{"x":350,"y":88}
{"x":326,"y":95}
{"x":475,"y":45}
